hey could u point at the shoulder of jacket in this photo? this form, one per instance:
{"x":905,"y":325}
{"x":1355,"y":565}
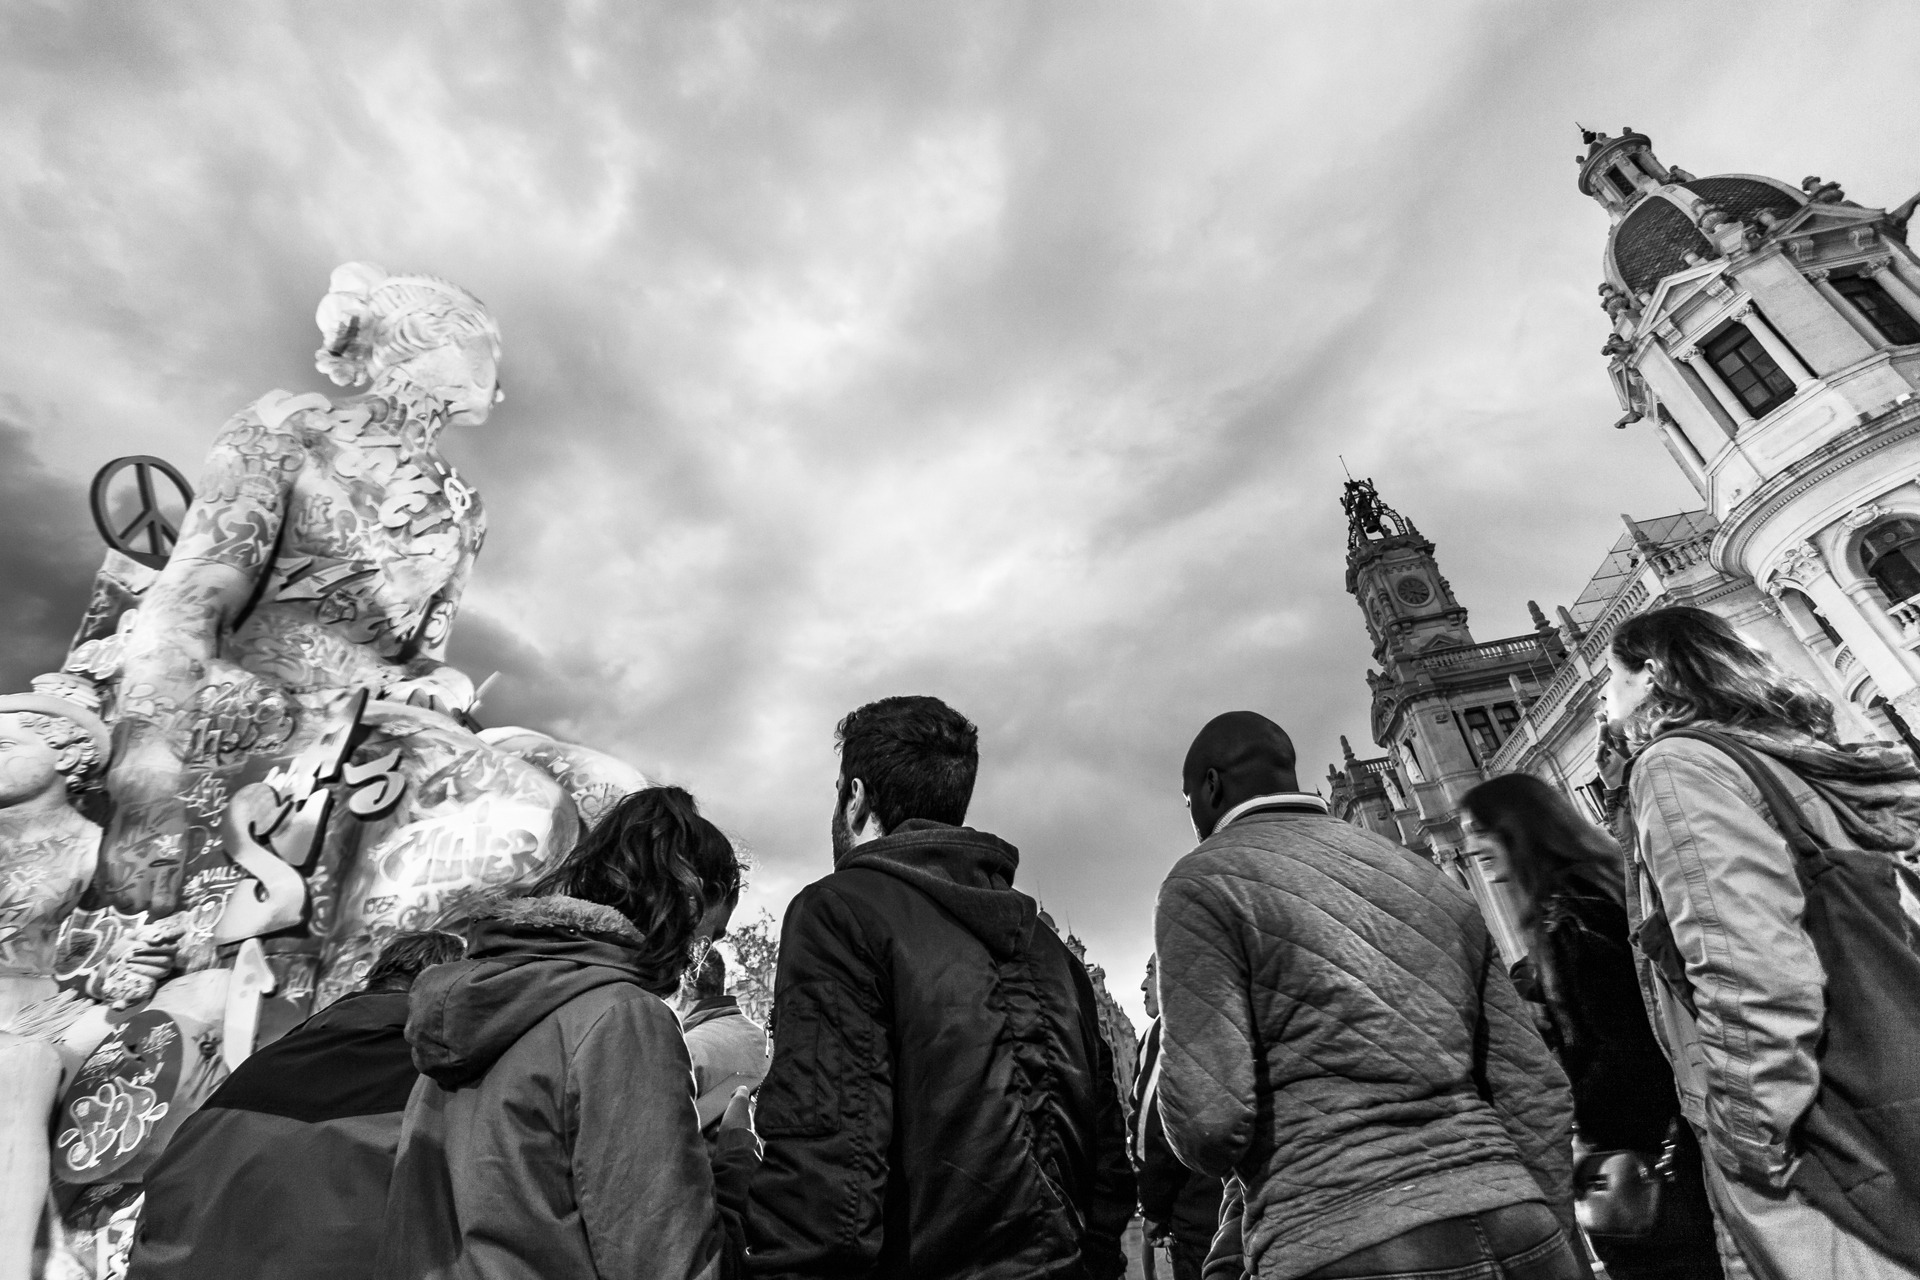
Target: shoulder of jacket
{"x":1669,"y":755}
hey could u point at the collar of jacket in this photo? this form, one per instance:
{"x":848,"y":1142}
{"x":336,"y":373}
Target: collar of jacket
{"x":1279,"y":801}
{"x":526,"y":957}
{"x":708,"y":1008}
{"x":968,"y":872}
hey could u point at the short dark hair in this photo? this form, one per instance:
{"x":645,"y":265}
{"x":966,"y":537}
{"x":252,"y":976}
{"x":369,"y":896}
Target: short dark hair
{"x":711,"y":980}
{"x":406,"y":954}
{"x":917,"y":756}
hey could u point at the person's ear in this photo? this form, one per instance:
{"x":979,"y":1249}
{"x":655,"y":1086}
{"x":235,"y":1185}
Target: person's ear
{"x":1212,"y":788}
{"x":859,"y":805}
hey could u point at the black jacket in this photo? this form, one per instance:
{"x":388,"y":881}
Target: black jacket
{"x":1623,"y":1094}
{"x":1171,"y":1195}
{"x":284,"y":1171}
{"x":940,"y":1101}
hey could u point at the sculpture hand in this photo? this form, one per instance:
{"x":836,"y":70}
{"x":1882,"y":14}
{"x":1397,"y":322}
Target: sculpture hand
{"x":134,"y":976}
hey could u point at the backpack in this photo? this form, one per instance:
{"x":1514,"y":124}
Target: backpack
{"x":1860,"y":1141}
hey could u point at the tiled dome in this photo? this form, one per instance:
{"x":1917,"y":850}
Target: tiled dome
{"x":1652,"y":242}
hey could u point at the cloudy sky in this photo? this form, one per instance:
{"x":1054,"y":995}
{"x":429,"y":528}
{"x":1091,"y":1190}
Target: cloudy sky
{"x":1003,"y":352}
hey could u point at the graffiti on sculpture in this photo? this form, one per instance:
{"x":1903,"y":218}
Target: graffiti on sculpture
{"x":257,"y":704}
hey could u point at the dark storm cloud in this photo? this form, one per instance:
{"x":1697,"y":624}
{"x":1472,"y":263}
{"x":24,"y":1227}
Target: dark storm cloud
{"x":1004,"y":352}
{"x":48,"y":552}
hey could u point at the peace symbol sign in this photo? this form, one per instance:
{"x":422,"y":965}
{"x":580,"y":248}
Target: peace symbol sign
{"x":160,"y":532}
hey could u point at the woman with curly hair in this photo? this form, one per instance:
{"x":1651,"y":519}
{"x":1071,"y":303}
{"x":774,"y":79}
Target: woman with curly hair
{"x":1739,"y":995}
{"x":554,"y":1132}
{"x":1566,"y":875}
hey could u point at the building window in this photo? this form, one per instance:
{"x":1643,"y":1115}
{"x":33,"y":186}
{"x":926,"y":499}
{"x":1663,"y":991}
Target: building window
{"x":1621,"y":183}
{"x":1892,"y":555}
{"x":1413,"y":762}
{"x":1744,"y":364}
{"x":1480,"y":725}
{"x":1881,"y":311}
{"x":1506,"y":715}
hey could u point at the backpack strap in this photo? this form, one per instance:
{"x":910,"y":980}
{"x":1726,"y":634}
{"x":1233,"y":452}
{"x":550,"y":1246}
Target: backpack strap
{"x":1787,"y":813}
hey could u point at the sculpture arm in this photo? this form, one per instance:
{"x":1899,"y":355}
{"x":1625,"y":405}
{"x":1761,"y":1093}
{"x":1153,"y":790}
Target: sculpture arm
{"x":226,"y":543}
{"x":429,"y":681}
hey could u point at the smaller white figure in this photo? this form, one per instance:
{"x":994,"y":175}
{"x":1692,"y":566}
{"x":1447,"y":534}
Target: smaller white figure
{"x":50,"y":748}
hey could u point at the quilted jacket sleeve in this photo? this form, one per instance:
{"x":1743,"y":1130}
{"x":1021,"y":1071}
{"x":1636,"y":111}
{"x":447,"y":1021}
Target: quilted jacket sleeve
{"x":1727,"y":883}
{"x":1522,"y":1080}
{"x":826,"y":1109}
{"x":1206,"y":1089}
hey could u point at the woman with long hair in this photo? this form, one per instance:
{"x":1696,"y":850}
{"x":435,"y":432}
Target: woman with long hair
{"x":1567,"y":875}
{"x":552,"y":1132}
{"x":1738,"y":992}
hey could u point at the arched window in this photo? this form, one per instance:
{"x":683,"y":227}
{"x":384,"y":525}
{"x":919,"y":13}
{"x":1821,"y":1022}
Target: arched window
{"x":1891,"y":552}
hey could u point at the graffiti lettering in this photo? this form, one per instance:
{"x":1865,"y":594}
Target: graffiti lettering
{"x":114,"y":1118}
{"x":274,"y":828}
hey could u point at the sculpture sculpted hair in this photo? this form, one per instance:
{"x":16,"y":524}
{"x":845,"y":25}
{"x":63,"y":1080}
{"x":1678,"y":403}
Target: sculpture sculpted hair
{"x":1705,"y":671}
{"x":657,"y":862}
{"x":917,"y":756}
{"x":371,"y":321}
{"x":64,"y":736}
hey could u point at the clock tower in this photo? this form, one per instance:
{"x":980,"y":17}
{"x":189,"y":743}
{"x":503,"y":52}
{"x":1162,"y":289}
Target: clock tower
{"x":1409,"y":607}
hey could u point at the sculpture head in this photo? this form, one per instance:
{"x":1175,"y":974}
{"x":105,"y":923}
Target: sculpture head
{"x":380,"y":328}
{"x":46,"y":741}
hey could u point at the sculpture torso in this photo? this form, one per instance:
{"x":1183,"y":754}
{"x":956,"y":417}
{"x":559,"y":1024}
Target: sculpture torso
{"x":378,"y":534}
{"x":42,"y":876}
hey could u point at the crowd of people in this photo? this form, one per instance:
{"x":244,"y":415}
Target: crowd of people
{"x":1708,"y":1063}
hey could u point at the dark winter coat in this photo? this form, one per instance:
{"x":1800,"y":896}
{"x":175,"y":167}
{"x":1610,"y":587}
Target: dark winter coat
{"x":1171,"y":1195}
{"x":941,"y":1102}
{"x":1623,"y":1095}
{"x":554,"y":1133}
{"x":1340,"y":1033}
{"x":284,"y":1171}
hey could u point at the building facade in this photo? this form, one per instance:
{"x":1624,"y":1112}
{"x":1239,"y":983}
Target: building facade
{"x":1443,"y":703}
{"x":1770,"y":337}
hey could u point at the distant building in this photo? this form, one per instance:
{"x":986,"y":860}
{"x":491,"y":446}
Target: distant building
{"x":1771,"y":338}
{"x":1443,"y":704}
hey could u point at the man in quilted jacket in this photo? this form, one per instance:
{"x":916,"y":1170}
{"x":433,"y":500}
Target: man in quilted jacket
{"x":1340,"y":1036}
{"x":941,"y":1103}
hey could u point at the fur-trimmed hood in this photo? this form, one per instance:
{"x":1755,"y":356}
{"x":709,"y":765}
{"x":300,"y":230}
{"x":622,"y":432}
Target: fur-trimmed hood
{"x":526,"y":957}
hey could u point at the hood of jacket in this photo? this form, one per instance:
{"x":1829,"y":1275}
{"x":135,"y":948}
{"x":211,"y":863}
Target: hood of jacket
{"x":969,"y":873}
{"x":526,"y":957}
{"x":1874,"y":787}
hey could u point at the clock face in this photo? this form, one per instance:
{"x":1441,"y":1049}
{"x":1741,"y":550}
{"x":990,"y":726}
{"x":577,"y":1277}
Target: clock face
{"x":1413,"y":590}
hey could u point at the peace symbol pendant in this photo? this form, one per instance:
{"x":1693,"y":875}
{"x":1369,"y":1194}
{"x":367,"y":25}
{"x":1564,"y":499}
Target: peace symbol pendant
{"x":459,"y":495}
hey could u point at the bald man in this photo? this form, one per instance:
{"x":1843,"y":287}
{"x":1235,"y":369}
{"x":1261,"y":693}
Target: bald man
{"x":1338,"y":1034}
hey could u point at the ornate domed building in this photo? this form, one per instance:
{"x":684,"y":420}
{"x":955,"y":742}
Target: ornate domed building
{"x":1771,"y":336}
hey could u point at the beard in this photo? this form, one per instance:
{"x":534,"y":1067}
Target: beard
{"x":842,"y":833}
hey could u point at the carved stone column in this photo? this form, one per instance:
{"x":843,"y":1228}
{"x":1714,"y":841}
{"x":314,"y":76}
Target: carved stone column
{"x":1870,"y":637}
{"x":1777,"y":348}
{"x":1897,"y":289}
{"x":1821,"y":278}
{"x":1703,"y":368}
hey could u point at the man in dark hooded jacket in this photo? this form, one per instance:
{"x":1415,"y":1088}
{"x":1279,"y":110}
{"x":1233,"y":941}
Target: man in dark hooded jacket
{"x":284,"y":1171}
{"x":941,"y":1102}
